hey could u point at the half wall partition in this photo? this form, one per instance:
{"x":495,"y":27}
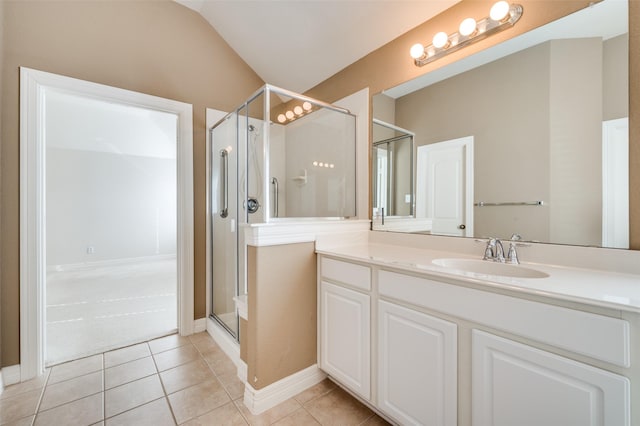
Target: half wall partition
{"x":279,"y":157}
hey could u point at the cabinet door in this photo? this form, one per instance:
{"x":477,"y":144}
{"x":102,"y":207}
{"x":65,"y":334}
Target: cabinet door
{"x":515,"y":384}
{"x":345,"y":337}
{"x":417,"y":365}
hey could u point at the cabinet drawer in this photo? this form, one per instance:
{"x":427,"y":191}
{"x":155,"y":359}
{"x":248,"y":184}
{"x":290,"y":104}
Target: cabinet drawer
{"x":596,"y":336}
{"x":348,"y":273}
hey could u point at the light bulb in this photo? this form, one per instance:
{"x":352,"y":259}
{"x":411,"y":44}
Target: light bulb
{"x":289,"y":115}
{"x":315,"y":163}
{"x":467,"y":27}
{"x":321,"y":164}
{"x":331,"y":166}
{"x":440,"y":40}
{"x":417,"y":51}
{"x":298,"y":110}
{"x":499,"y":11}
{"x":307,"y":106}
{"x":281,"y":118}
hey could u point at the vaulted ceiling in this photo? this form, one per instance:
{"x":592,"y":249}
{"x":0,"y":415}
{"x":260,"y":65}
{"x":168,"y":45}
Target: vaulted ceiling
{"x":297,"y":44}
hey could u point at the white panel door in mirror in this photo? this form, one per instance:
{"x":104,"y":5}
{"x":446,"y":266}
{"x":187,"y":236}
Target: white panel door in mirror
{"x":445,"y":186}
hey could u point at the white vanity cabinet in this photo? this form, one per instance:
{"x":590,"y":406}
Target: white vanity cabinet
{"x":345,"y":324}
{"x":417,"y":366}
{"x":522,"y":361}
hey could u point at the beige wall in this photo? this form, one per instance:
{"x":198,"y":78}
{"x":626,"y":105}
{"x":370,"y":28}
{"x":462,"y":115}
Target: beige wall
{"x":575,"y":141}
{"x":155,"y":47}
{"x":281,"y":334}
{"x":504,"y":106}
{"x":537,"y":137}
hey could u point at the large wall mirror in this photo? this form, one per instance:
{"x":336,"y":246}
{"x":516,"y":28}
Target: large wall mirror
{"x":529,"y":137}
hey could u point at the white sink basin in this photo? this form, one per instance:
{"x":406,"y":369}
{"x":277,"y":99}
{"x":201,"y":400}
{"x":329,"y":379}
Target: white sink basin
{"x":490,"y":268}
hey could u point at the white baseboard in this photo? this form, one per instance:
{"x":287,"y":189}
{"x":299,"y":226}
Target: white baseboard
{"x":200,"y":325}
{"x":108,"y":262}
{"x":9,"y":375}
{"x":258,"y":401}
{"x":243,"y":371}
{"x":228,"y":345}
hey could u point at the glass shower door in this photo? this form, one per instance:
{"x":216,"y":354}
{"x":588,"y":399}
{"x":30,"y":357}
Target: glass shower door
{"x":224,"y":211}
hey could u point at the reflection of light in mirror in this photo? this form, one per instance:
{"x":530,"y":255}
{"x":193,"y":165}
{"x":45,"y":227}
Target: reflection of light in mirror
{"x":307,"y":106}
{"x":323,"y":165}
{"x":298,"y":110}
{"x":289,"y":115}
{"x":282,"y":118}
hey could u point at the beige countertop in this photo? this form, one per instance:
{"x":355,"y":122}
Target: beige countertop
{"x":620,"y":291}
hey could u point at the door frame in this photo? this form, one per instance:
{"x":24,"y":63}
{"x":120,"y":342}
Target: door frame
{"x":33,"y":87}
{"x":466,"y":143}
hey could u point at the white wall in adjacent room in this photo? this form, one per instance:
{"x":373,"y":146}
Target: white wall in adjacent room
{"x":111,"y":181}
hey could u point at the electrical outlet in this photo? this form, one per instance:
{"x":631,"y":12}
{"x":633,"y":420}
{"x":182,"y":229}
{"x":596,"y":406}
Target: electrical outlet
{"x":91,"y":250}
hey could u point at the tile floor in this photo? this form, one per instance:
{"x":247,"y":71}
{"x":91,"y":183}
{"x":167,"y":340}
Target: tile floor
{"x":167,"y":381}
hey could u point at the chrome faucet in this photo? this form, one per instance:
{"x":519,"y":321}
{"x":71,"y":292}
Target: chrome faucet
{"x":494,"y":251}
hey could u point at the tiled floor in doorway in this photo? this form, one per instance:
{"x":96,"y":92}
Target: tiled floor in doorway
{"x":167,"y":381}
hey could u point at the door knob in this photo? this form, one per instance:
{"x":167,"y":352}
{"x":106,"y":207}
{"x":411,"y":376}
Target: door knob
{"x":462,"y":226}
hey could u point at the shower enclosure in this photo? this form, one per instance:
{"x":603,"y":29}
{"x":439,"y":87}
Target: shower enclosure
{"x":279,"y":157}
{"x":392,"y":166}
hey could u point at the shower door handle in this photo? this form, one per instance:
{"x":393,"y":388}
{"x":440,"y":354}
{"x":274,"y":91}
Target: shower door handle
{"x":274,"y":182}
{"x":224,"y":183}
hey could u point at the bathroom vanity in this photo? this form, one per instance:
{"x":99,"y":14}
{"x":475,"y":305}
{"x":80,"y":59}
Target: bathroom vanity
{"x":428,"y":344}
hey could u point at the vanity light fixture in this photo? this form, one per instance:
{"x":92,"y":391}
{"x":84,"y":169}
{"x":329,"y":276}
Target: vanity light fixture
{"x":501,"y":17}
{"x":298,"y":111}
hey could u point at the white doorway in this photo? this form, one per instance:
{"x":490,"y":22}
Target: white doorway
{"x":615,"y":183}
{"x":106,"y":219}
{"x":444,"y":187}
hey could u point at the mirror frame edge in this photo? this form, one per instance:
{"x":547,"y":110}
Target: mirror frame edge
{"x":634,"y":126}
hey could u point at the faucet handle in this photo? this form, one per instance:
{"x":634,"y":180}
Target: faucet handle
{"x":516,"y":237}
{"x":512,"y":255}
{"x":489,"y":250}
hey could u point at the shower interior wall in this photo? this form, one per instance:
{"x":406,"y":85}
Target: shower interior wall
{"x":302,"y":161}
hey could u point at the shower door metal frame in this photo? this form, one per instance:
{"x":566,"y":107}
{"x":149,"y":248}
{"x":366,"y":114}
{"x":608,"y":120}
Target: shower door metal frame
{"x":223,"y":213}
